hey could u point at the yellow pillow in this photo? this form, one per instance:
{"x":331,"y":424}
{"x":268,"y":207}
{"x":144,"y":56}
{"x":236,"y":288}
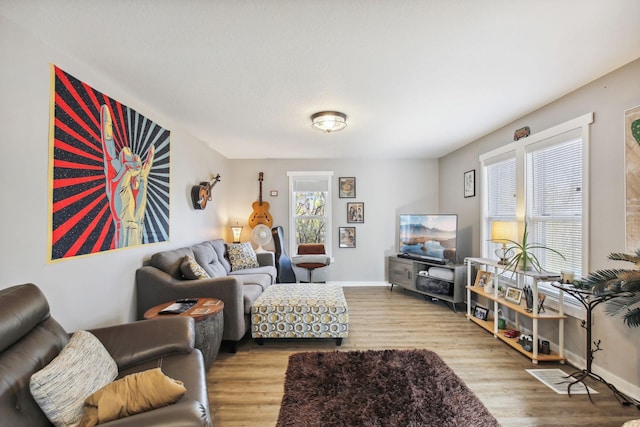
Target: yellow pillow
{"x":131,"y":395}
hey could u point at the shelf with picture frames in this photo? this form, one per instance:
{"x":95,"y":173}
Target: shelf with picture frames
{"x":498,"y":302}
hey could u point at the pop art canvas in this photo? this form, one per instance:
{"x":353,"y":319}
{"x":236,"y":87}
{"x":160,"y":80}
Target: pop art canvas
{"x":632,"y":159}
{"x":109,"y":172}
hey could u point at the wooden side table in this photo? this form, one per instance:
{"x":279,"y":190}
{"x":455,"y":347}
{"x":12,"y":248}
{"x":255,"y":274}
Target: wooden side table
{"x":209,"y":324}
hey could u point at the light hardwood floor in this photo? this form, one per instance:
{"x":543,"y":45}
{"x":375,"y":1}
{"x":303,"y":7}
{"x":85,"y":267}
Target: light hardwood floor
{"x":245,"y":388}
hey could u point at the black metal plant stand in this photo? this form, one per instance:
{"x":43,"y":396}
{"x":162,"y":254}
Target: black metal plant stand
{"x":591,"y":301}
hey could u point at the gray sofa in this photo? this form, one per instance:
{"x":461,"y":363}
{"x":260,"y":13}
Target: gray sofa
{"x":161,"y":280}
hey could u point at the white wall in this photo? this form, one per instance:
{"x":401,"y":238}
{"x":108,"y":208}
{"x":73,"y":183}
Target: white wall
{"x":386,"y":187}
{"x":608,"y":97}
{"x":99,"y":289}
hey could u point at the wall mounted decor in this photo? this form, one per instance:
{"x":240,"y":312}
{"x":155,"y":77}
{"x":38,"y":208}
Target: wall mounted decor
{"x":523,"y":132}
{"x":355,"y":212}
{"x":632,"y":160}
{"x":470,"y":183}
{"x":201,"y":194}
{"x":260,"y":214}
{"x":347,"y":237}
{"x":109,"y":172}
{"x":347,"y":187}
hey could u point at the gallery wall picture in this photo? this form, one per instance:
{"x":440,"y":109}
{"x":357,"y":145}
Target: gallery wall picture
{"x":355,"y":212}
{"x":347,"y":187}
{"x":109,"y":172}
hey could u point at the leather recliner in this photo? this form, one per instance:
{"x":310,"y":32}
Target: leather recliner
{"x":30,"y":338}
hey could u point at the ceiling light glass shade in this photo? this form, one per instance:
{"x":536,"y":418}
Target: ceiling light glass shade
{"x":329,"y":121}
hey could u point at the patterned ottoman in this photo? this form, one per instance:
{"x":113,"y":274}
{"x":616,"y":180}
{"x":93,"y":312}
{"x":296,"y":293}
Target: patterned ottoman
{"x":300,"y":310}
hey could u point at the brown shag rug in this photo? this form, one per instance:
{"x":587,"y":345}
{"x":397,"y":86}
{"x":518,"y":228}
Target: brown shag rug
{"x":377,"y":388}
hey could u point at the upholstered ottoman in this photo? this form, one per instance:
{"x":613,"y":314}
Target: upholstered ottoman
{"x":300,"y":310}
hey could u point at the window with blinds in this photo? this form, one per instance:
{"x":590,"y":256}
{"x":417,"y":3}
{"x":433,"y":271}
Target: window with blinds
{"x":541,"y":181}
{"x":310,"y":209}
{"x":554,"y":202}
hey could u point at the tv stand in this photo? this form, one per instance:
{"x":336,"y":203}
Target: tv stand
{"x":405,"y":272}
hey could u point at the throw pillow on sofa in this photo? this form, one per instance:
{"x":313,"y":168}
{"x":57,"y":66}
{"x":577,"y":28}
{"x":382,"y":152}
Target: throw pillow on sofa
{"x":130,"y":395}
{"x":82,"y":367}
{"x":191,"y":270}
{"x":241,"y":256}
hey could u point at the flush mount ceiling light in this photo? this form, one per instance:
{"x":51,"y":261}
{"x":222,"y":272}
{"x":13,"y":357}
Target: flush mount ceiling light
{"x":329,"y":121}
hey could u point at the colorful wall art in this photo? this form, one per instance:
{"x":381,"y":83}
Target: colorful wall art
{"x":109,"y":172}
{"x":632,"y":160}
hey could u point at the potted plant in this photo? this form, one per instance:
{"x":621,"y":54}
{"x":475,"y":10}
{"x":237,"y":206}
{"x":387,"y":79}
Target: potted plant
{"x":623,"y":283}
{"x":525,"y":257}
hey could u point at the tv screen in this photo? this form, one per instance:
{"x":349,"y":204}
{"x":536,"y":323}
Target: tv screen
{"x":428,"y":236}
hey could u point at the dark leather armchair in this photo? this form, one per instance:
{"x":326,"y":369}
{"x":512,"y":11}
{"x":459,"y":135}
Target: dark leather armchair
{"x":30,"y":339}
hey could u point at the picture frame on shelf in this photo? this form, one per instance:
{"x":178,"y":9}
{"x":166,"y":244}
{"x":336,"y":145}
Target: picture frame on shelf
{"x":482,"y":279}
{"x":355,"y":212}
{"x":470,"y":183}
{"x":513,"y":295}
{"x":347,"y":187}
{"x":346,"y":237}
{"x":479,"y":312}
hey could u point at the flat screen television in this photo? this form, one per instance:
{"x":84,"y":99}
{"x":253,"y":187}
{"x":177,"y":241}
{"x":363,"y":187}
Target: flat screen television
{"x":428,"y":236}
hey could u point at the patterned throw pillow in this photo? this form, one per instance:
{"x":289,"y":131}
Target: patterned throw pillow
{"x":192,"y":270}
{"x":241,"y":256}
{"x":82,"y":367}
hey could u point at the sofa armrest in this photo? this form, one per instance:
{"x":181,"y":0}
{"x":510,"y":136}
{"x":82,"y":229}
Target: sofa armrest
{"x":133,"y":343}
{"x":182,"y":413}
{"x":266,"y":259}
{"x":154,"y":287}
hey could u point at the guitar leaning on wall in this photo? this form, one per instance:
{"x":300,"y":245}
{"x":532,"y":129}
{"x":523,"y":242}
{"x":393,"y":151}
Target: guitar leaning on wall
{"x":201,"y":194}
{"x":260,"y":214}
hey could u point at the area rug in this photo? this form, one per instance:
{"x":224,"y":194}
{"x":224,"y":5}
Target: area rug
{"x":377,"y":388}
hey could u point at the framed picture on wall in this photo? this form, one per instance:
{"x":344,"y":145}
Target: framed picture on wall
{"x":347,"y":237}
{"x":355,"y":212}
{"x":470,"y":183}
{"x":347,"y":187}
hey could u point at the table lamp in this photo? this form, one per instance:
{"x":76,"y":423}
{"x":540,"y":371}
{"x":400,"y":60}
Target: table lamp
{"x":504,"y":232}
{"x":237,"y":231}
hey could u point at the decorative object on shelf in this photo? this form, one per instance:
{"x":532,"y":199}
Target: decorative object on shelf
{"x":347,"y":187}
{"x":481,"y":313}
{"x":201,"y":194}
{"x":528,"y":297}
{"x":261,"y":235}
{"x":513,"y":295}
{"x":470,"y":183}
{"x":355,"y":212}
{"x":236,"y":230}
{"x":329,"y":121}
{"x":260,"y":214}
{"x":541,"y":300}
{"x":526,"y":341}
{"x":621,"y":284}
{"x":525,"y":257}
{"x":523,"y":132}
{"x":347,"y":237}
{"x":504,"y":232}
{"x":566,"y":277}
{"x":592,"y":292}
{"x":482,"y":278}
{"x":511,"y":333}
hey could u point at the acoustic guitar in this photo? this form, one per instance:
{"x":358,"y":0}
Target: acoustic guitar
{"x":260,"y":214}
{"x":201,"y":194}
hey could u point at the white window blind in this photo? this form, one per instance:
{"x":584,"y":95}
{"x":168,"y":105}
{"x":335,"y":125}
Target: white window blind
{"x":555,"y":202}
{"x":501,"y":195}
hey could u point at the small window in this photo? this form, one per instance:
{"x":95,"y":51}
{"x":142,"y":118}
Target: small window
{"x":310,"y":209}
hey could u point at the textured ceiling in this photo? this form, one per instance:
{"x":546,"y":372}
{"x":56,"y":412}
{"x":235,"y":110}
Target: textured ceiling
{"x":416,"y":78}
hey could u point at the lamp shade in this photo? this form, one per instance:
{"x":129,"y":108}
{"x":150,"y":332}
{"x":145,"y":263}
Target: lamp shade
{"x":237,"y":231}
{"x":329,"y":121}
{"x":504,"y":231}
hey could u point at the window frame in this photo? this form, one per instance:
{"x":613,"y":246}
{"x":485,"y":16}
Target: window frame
{"x":322,"y":176}
{"x":578,"y":127}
